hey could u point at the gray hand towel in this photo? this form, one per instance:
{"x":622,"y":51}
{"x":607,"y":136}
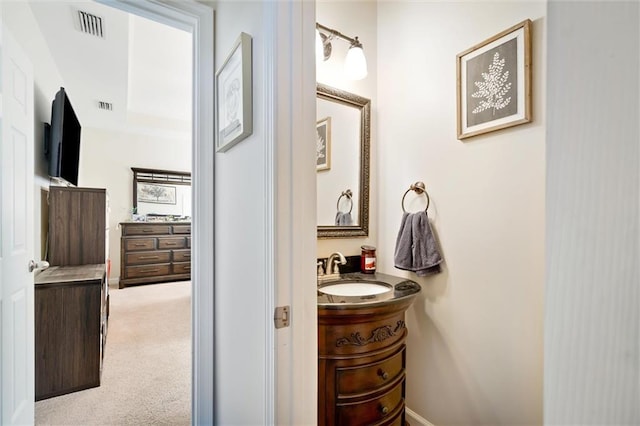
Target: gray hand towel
{"x":343,"y":219}
{"x":416,"y":247}
{"x":403,"y":257}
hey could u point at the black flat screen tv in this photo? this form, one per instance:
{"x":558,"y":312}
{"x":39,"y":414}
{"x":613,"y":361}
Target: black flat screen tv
{"x":64,"y":140}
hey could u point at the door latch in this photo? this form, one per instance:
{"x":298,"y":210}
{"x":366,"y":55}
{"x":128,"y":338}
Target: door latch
{"x":281,"y":316}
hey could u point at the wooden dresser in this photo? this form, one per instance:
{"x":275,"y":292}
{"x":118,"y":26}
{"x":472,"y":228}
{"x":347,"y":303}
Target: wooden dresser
{"x":361,"y":363}
{"x":72,"y":296}
{"x":154,"y":252}
{"x":71,"y":317}
{"x":78,"y":226}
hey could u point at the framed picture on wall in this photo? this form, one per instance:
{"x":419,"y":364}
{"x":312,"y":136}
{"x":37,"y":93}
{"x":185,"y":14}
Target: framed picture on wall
{"x":156,"y":194}
{"x":234,"y":103}
{"x":494,"y":83}
{"x":323,"y":144}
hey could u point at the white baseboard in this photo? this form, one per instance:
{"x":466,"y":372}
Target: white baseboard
{"x":414,"y":419}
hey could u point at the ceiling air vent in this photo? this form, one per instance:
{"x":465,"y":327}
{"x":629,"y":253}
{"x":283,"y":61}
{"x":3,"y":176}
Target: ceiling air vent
{"x":91,"y":24}
{"x":107,"y":106}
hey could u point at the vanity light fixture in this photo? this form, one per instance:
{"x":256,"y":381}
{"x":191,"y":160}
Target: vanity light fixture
{"x":355,"y":63}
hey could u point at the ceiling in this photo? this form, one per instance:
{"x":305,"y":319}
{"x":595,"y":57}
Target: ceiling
{"x":141,"y":67}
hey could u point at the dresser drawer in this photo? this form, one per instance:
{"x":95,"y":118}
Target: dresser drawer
{"x":147,"y":270}
{"x":354,"y":380}
{"x":171,"y":243}
{"x":140,"y":258}
{"x":147,"y":230}
{"x":188,"y":242}
{"x":182,"y":268}
{"x":181,"y":255}
{"x":131,"y":244}
{"x":181,"y":229}
{"x":373,"y":410}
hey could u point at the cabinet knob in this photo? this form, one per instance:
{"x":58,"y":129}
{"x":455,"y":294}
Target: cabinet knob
{"x":383,"y":374}
{"x":384,"y":409}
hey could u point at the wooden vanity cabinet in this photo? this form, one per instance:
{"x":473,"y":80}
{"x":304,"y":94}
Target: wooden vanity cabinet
{"x":154,"y":252}
{"x":361,"y":364}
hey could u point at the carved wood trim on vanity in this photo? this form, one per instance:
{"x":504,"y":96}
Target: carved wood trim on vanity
{"x":380,"y":334}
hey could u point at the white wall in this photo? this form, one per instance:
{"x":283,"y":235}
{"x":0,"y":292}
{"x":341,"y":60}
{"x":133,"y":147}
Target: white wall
{"x":264,"y":221}
{"x":106,"y":158}
{"x":339,"y":15}
{"x":241,"y":296}
{"x":475,"y":344}
{"x":592,"y":303}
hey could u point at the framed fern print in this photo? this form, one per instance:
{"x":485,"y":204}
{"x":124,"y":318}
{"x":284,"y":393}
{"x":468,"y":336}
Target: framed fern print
{"x":494,"y":82}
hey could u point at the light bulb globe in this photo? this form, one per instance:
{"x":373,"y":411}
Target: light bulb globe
{"x":355,"y":64}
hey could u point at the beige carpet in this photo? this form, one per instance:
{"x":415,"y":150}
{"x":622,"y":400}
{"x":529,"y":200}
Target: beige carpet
{"x":146,"y":376}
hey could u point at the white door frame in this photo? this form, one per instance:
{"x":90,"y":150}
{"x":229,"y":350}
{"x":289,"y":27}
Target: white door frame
{"x":294,"y":94}
{"x":197,"y":19}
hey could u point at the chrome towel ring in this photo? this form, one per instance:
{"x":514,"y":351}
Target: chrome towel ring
{"x":419,"y":188}
{"x":349,"y":196}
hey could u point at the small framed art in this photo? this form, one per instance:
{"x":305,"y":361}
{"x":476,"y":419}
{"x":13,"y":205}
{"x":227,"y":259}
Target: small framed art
{"x":234,"y":103}
{"x":494,"y":82}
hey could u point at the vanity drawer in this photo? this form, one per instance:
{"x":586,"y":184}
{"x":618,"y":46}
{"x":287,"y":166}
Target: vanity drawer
{"x":182,"y":268}
{"x":371,"y":411}
{"x":360,"y":338}
{"x":181,"y":229}
{"x":354,"y":380}
{"x":171,"y":243}
{"x":148,"y":270}
{"x":147,"y":230}
{"x":131,"y":244}
{"x":181,"y":255}
{"x":398,"y":420}
{"x":188,"y":242}
{"x":139,"y":258}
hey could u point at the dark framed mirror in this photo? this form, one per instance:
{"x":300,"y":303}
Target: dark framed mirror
{"x":343,"y":127}
{"x":161,"y":194}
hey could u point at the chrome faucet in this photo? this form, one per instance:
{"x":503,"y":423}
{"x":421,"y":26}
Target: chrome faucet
{"x":332,"y":270}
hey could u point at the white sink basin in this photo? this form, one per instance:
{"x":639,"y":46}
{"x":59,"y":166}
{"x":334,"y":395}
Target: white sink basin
{"x":355,"y":288}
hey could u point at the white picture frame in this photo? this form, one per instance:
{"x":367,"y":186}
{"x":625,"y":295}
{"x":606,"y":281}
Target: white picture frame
{"x":234,"y":98}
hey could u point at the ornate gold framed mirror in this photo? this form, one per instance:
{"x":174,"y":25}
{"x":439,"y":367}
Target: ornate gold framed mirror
{"x":343,"y":142}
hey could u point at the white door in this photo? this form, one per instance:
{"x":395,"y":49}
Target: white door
{"x":16,"y":236}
